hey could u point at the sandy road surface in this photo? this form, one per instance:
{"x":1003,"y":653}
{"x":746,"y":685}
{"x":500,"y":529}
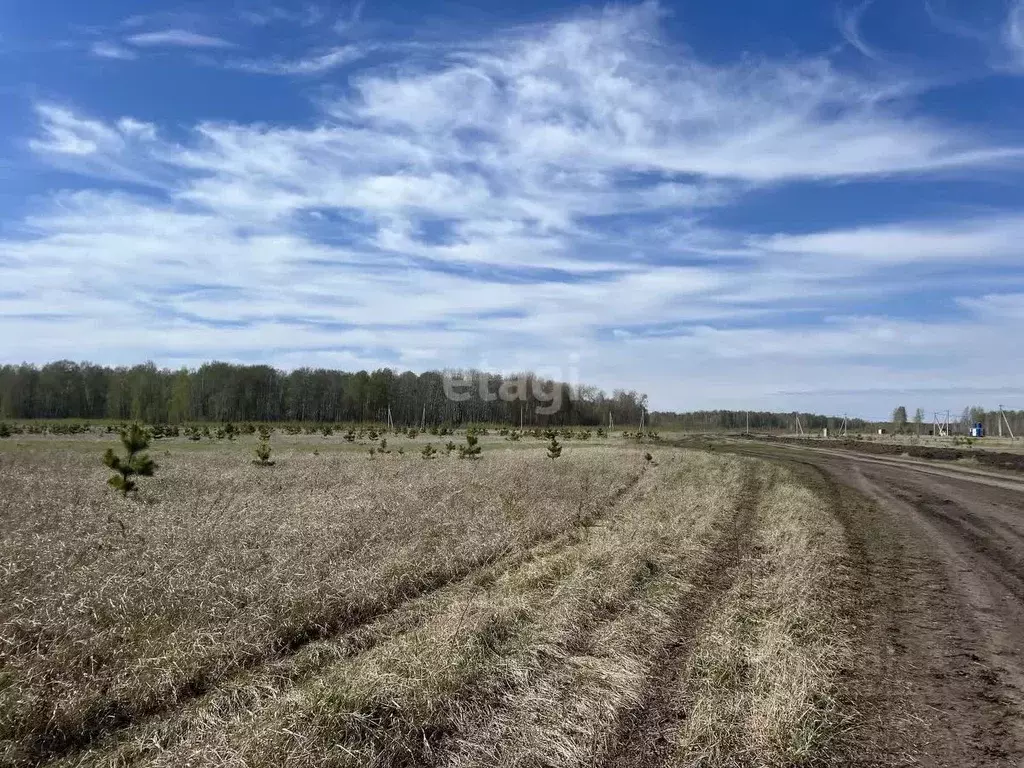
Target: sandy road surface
{"x":939,"y":558}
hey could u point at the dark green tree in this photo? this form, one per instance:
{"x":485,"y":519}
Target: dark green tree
{"x":471,"y":449}
{"x":134,"y":463}
{"x":5,"y":430}
{"x":899,"y":419}
{"x":263,"y":452}
{"x":554,"y":448}
{"x":428,"y":451}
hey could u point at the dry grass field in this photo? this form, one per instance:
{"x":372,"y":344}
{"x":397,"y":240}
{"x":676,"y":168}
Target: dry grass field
{"x":332,"y":610}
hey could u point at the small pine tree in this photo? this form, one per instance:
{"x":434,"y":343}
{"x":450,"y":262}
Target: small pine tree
{"x":264,"y":433}
{"x":327,"y":430}
{"x":133,"y":463}
{"x":373,"y":452}
{"x":428,"y":451}
{"x":449,"y":446}
{"x":554,"y":449}
{"x":648,"y":458}
{"x":263,"y":453}
{"x":5,"y":429}
{"x":412,"y":433}
{"x":350,"y":436}
{"x":471,"y":449}
{"x":600,"y":432}
{"x":384,"y":445}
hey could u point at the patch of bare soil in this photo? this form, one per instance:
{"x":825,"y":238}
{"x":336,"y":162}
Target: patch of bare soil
{"x":994,"y":459}
{"x":939,"y":562}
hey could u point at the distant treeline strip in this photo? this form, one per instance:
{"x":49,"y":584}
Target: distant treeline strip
{"x":216,"y":392}
{"x":225,"y":392}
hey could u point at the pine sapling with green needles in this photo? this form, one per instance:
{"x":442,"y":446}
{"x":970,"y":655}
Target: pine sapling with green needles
{"x":263,"y":452}
{"x":471,"y":450}
{"x":554,"y":448}
{"x":428,"y":451}
{"x":134,"y":463}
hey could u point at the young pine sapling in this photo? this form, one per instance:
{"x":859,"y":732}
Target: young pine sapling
{"x":134,"y":463}
{"x":554,"y":448}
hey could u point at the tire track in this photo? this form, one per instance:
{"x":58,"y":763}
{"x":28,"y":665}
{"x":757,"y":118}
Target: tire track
{"x":114,"y":717}
{"x":939,"y":679}
{"x":641,"y":739}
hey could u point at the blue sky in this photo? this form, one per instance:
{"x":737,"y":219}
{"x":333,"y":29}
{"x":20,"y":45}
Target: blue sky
{"x":802,"y":205}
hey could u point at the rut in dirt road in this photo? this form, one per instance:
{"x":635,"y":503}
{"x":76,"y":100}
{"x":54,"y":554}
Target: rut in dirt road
{"x":939,"y":562}
{"x":966,"y":564}
{"x":642,"y":739}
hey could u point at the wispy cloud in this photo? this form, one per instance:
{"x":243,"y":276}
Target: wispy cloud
{"x":312,"y":64}
{"x":564,"y":175}
{"x":108,"y":50}
{"x":1013,"y":35}
{"x":178,"y":38}
{"x":849,"y":21}
{"x":305,"y":16}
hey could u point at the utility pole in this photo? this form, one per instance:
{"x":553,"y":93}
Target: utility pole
{"x":747,"y":431}
{"x":1007,"y":422}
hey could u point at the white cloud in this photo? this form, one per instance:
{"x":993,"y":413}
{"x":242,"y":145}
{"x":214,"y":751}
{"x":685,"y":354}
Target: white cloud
{"x":1013,"y":34}
{"x":108,"y":50}
{"x":849,"y":25}
{"x":988,"y":240}
{"x":556,"y":175}
{"x":313,"y":64}
{"x":178,"y":38}
{"x":997,"y":306}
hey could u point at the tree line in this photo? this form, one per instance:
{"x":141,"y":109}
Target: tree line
{"x":756,"y":421}
{"x":218,"y":392}
{"x":959,"y":423}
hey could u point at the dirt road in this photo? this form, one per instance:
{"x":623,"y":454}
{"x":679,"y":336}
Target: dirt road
{"x":939,"y":559}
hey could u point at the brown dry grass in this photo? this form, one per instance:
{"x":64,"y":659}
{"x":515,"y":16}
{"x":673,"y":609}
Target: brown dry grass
{"x":763,"y":683}
{"x":339,"y":611}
